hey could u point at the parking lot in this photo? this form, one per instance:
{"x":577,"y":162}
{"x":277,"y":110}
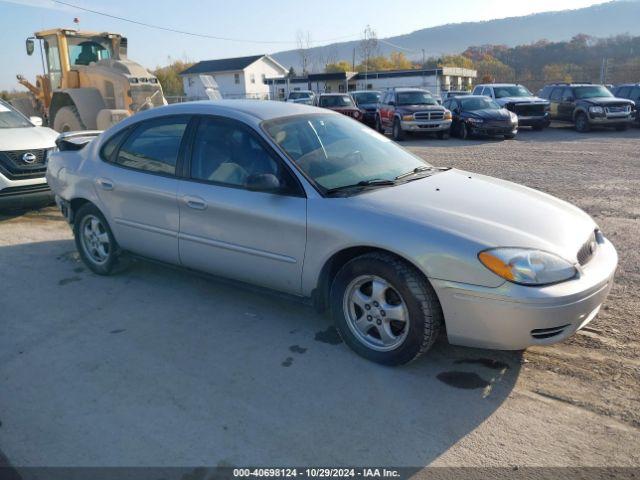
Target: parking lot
{"x":159,"y":366}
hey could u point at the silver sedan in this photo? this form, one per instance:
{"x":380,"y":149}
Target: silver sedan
{"x":314,"y":204}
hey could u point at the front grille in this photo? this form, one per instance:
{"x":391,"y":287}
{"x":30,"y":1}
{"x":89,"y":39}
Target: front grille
{"x":588,"y":249}
{"x":14,"y":166}
{"x":529,"y":109}
{"x":618,"y":111}
{"x":24,"y":190}
{"x":542,"y":333}
{"x":434,"y":115}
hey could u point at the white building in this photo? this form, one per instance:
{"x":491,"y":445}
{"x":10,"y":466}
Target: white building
{"x":435,"y":80}
{"x":241,"y":77}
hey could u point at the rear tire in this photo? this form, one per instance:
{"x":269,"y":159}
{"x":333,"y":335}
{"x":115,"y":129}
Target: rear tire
{"x":95,"y":242}
{"x":376,"y":331}
{"x":582,"y":123}
{"x":68,"y":119}
{"x":398,"y":133}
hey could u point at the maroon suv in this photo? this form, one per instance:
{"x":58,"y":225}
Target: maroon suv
{"x":340,"y":102}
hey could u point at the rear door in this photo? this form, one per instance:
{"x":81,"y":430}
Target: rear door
{"x":226,"y":227}
{"x":554,"y":99}
{"x":137,"y":185}
{"x":567,"y":104}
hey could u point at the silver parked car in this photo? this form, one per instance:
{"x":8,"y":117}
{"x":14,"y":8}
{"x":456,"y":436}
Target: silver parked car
{"x":315,"y":204}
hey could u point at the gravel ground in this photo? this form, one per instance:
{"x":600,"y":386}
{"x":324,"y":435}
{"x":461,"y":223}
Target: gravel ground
{"x":599,"y":368}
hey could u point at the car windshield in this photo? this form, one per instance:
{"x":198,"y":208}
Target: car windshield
{"x":295,"y":95}
{"x":335,"y":151}
{"x":336,"y":101}
{"x":592,"y":92}
{"x":511,"y":91}
{"x":9,"y":118}
{"x":416,"y":98}
{"x":367,"y":97}
{"x":478,"y":103}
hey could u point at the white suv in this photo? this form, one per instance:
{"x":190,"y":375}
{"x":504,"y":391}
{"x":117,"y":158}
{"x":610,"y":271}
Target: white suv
{"x":24,"y":149}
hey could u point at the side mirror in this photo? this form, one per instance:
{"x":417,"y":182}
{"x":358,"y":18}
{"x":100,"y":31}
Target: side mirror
{"x":30,"y":46}
{"x":263,"y":182}
{"x":37,"y":121}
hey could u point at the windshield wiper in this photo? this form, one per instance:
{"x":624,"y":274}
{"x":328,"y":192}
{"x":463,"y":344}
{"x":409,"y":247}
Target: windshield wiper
{"x":375,"y":182}
{"x":415,"y":171}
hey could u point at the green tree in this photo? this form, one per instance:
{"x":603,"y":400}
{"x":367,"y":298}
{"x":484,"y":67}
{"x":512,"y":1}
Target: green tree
{"x":169,"y":77}
{"x":341,"y":66}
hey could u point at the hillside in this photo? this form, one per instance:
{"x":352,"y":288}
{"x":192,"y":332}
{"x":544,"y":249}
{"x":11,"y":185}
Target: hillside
{"x":603,"y":20}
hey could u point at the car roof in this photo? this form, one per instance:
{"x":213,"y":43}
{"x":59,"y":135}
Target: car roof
{"x":335,"y":94}
{"x":410,"y":89}
{"x":365,"y":91}
{"x":499,"y":85}
{"x":258,"y":109}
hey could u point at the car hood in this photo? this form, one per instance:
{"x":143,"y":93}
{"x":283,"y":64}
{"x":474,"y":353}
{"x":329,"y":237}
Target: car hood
{"x":27,"y":138}
{"x":485,"y":211}
{"x":611,"y":101}
{"x":419,"y":108}
{"x":368,"y":106}
{"x":505,"y":100}
{"x":489,"y":114}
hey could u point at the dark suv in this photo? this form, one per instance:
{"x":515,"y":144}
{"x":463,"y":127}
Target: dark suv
{"x":588,"y":105}
{"x":412,"y":110}
{"x":630,"y":91}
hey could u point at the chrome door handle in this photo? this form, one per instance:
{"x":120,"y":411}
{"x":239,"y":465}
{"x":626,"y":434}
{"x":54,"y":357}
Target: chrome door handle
{"x":105,"y":183}
{"x":195,"y":203}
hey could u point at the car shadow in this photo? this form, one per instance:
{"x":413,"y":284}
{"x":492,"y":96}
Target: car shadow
{"x":159,"y":366}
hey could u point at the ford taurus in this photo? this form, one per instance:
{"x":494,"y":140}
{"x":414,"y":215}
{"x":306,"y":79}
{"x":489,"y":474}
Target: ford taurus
{"x":315,"y":204}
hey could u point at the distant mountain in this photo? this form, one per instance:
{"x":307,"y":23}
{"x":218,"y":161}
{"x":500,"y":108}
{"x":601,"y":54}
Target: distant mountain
{"x":602,"y":20}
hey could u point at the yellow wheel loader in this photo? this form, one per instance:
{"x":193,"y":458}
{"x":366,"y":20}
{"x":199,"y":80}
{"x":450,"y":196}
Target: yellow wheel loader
{"x":88,"y":83}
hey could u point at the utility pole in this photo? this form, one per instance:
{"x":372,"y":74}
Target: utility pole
{"x":424,"y":61}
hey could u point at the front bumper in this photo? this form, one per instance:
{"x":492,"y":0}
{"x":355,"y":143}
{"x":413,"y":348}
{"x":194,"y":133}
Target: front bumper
{"x":534,"y":120}
{"x":611,"y":121}
{"x":513,"y":317}
{"x":493,"y":130}
{"x":425,"y":125}
{"x":17,"y":194}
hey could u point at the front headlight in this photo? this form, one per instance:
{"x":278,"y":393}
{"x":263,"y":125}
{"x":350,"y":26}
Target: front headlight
{"x":596,"y":109}
{"x":447,"y":115}
{"x":407,"y":118}
{"x":527,"y":266}
{"x":514,"y":117}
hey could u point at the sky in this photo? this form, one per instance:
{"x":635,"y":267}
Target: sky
{"x":263,"y":26}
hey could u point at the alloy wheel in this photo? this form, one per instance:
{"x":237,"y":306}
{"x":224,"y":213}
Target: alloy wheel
{"x":95,"y":239}
{"x":376,"y":313}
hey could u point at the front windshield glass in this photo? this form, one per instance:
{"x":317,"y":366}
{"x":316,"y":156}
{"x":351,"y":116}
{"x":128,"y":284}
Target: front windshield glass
{"x":367,"y":97}
{"x":83,"y":51}
{"x":334,"y":151}
{"x":478,"y":103}
{"x":296,"y":95}
{"x":9,"y":118}
{"x":592,"y":92}
{"x":336,"y":101}
{"x":416,"y":98}
{"x":512,"y":91}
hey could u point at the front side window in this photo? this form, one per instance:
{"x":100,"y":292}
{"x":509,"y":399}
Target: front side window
{"x":53,"y":62}
{"x":511,"y":91}
{"x":623,"y":92}
{"x":9,"y":118}
{"x":228,"y":153}
{"x":415,"y":98}
{"x":556,"y":94}
{"x":334,"y":151}
{"x":592,"y":91}
{"x":635,"y":95}
{"x":567,"y":95}
{"x":472,"y":104}
{"x":487,"y":91}
{"x":154,"y":145}
{"x":330,"y":101}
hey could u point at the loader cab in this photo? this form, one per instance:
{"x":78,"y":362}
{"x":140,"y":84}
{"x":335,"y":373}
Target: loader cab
{"x":64,"y":49}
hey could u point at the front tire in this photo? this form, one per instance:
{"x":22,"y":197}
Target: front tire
{"x":67,"y":119}
{"x":443,"y":135}
{"x":379,"y":126}
{"x":96,"y":245}
{"x":385,"y":309}
{"x":582,"y":123}
{"x":398,"y":133}
{"x":463,"y":131}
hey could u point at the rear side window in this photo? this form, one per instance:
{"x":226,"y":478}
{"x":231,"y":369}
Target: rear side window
{"x":556,"y":94}
{"x":154,"y":145}
{"x":623,"y":92}
{"x":110,"y":145}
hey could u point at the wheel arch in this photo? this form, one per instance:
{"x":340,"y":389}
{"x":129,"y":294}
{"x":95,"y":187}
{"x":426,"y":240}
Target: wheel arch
{"x":578,"y":111}
{"x":87,"y":101}
{"x":320,"y":294}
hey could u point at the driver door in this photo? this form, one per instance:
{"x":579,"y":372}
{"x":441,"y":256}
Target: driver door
{"x":227,"y":228}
